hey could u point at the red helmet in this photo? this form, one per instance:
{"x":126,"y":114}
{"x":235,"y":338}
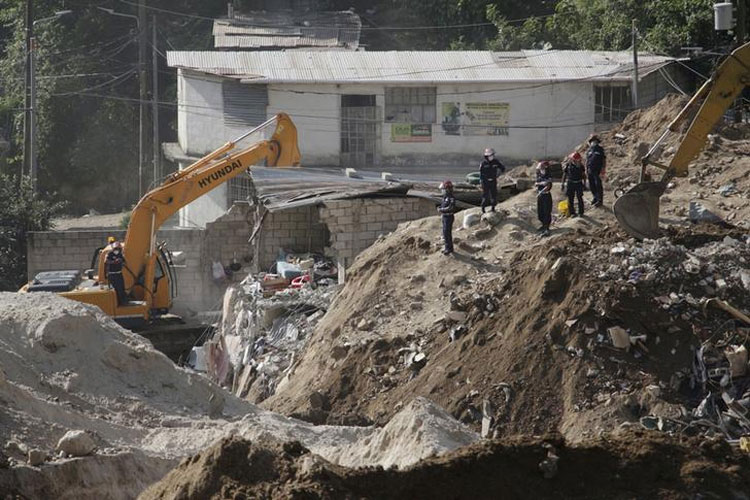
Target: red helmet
{"x":446,"y":185}
{"x":575,"y":156}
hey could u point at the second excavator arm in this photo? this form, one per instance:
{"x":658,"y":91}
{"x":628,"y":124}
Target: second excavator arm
{"x":637,"y":211}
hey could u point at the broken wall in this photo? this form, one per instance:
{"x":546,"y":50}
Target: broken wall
{"x":338,"y":228}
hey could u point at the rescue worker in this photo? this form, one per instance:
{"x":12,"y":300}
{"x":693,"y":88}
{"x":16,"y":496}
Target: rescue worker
{"x":543,"y":196}
{"x":113,"y":265}
{"x":447,"y":209}
{"x":574,"y":182}
{"x":489,"y":169}
{"x":596,"y":164}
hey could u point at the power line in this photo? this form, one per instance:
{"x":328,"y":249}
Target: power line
{"x":362,"y":28}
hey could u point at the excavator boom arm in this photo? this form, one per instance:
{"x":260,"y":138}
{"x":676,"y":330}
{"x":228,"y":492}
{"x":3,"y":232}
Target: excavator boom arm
{"x":727,"y":82}
{"x":637,"y":211}
{"x":196,"y":180}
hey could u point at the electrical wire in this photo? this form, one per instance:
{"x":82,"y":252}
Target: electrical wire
{"x":118,"y":79}
{"x":364,"y":28}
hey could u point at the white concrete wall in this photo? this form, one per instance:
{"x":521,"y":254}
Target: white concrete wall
{"x":545,"y":121}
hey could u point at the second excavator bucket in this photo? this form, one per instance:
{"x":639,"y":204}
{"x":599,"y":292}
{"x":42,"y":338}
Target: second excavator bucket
{"x":637,"y":211}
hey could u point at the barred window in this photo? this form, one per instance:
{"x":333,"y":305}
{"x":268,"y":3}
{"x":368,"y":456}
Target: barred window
{"x":612,"y":102}
{"x":410,"y":105}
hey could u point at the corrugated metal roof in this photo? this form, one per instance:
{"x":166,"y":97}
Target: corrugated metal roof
{"x":415,"y":66}
{"x":288,"y":29}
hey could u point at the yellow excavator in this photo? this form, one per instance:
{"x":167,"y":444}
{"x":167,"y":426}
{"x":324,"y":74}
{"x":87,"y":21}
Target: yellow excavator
{"x":148,"y":272}
{"x":637,"y":211}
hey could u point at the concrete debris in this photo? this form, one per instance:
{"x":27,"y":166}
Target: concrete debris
{"x":470,"y":219}
{"x":76,"y":444}
{"x":737,"y":357}
{"x":263,"y":328}
{"x":494,"y":218}
{"x":699,"y":213}
{"x":36,"y":457}
{"x":727,"y":190}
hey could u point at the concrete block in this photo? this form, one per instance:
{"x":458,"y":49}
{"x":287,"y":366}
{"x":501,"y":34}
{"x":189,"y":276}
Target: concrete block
{"x":374,"y":226}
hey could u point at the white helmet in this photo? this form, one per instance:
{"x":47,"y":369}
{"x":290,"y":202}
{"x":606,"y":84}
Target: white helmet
{"x":489,"y":152}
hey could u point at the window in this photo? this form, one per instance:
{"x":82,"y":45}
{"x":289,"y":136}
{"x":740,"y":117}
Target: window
{"x":612,"y":102}
{"x":410,"y":105}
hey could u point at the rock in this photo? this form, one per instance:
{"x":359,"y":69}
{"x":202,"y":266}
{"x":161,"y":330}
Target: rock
{"x":745,"y":278}
{"x":653,"y":390}
{"x":36,"y":457}
{"x":727,"y":190}
{"x":363,"y":324}
{"x":339,"y":351}
{"x":517,"y":235}
{"x":737,"y":357}
{"x":76,"y":443}
{"x":457,"y":332}
{"x":494,"y":218}
{"x":216,"y":405}
{"x":470,"y":219}
{"x":488,"y":418}
{"x":620,"y":337}
{"x":2,"y":377}
{"x":418,"y":361}
{"x":699,"y":213}
{"x":455,"y":316}
{"x":318,"y":401}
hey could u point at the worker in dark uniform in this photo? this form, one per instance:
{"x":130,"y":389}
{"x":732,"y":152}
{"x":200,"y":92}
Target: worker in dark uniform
{"x":447,"y":209}
{"x":489,"y":169}
{"x":543,"y":196}
{"x":574,"y":182}
{"x":596,"y":164}
{"x":113,"y":265}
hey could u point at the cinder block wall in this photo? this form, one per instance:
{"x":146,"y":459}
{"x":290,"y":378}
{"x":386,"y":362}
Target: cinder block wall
{"x":356,"y":224}
{"x":222,"y":240}
{"x":299,"y":230}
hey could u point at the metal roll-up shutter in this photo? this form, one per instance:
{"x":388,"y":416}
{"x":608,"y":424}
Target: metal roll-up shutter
{"x":244,"y":105}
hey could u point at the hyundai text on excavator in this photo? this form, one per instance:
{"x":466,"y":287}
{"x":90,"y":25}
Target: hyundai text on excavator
{"x":637,"y":211}
{"x":148,"y":272}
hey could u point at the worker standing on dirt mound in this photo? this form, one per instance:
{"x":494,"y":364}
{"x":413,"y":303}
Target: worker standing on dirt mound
{"x":113,"y":265}
{"x":447,"y":209}
{"x":489,"y":169}
{"x":574,"y":182}
{"x":543,"y":196}
{"x":596,"y":164}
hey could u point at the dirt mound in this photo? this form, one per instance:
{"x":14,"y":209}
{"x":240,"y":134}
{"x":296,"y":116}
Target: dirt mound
{"x":636,"y":465}
{"x":529,"y":321}
{"x":66,"y":366}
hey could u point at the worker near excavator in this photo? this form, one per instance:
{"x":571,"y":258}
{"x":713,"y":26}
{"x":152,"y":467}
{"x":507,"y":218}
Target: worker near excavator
{"x":447,"y":210}
{"x":113,"y":265}
{"x":574,"y":182}
{"x":543,"y":196}
{"x":596,"y":164}
{"x":489,"y":169}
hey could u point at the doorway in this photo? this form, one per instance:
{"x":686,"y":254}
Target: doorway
{"x":360,"y":131}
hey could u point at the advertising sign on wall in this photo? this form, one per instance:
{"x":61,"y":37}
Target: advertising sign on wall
{"x":475,"y":118}
{"x":409,"y":132}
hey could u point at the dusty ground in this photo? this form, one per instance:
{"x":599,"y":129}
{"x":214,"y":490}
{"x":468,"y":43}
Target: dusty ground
{"x":66,"y":366}
{"x":634,"y":465}
{"x":519,"y":353}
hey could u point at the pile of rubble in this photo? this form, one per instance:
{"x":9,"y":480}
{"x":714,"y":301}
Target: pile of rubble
{"x":266,"y":321}
{"x":703,"y":288}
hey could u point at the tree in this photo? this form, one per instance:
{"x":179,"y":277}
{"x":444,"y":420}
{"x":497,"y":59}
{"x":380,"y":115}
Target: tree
{"x":22,"y":211}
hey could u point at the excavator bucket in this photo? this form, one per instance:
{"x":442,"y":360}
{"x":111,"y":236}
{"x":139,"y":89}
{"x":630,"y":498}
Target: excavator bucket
{"x":637,"y":211}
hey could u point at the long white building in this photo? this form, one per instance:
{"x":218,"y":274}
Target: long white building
{"x":408,"y":111}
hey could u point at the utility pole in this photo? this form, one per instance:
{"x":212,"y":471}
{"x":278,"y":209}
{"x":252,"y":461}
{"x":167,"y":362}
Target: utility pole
{"x":27,"y":117}
{"x":635,"y":67}
{"x":142,"y":41}
{"x":155,"y":101}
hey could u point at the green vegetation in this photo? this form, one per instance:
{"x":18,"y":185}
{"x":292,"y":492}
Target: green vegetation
{"x":21,"y":211}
